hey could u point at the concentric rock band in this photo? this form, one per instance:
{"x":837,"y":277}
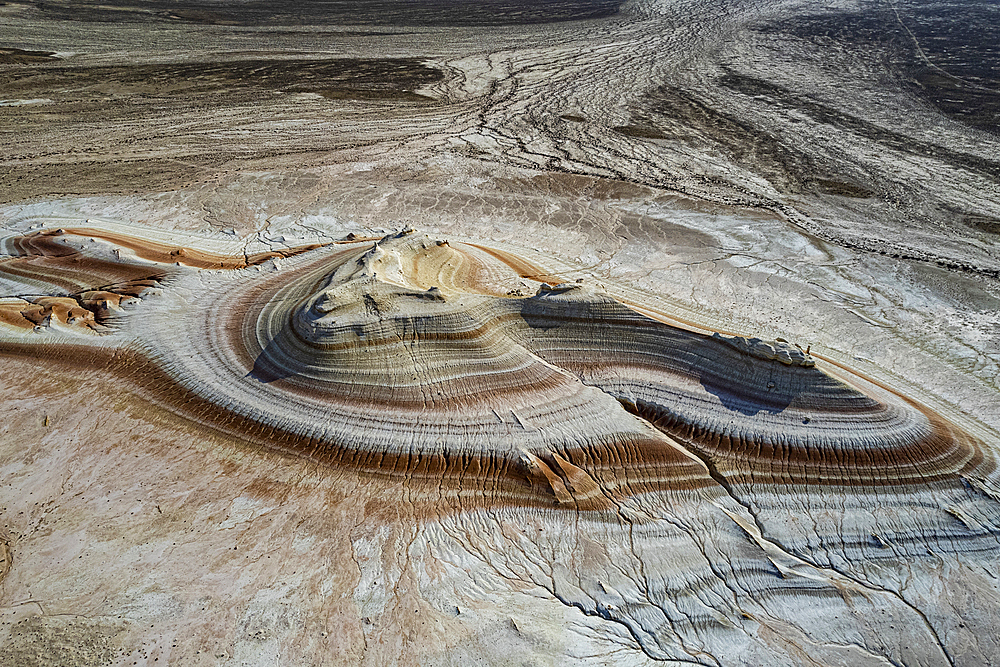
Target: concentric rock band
{"x":421,"y":358}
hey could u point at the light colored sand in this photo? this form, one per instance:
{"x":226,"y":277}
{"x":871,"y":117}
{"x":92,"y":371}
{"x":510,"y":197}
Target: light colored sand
{"x":132,"y":536}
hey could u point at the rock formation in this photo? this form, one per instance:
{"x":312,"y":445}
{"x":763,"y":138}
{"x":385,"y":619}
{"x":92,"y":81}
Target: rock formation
{"x":693,"y":359}
{"x":422,"y":363}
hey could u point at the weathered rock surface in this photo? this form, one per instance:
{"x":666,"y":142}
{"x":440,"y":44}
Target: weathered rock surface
{"x":694,"y":359}
{"x":637,"y":471}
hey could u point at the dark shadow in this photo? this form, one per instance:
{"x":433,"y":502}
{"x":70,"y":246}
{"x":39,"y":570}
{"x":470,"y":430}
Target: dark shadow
{"x":747,"y":385}
{"x":267,"y":368}
{"x":747,"y":405}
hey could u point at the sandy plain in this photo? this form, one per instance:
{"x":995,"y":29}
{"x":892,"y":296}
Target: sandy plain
{"x":822,"y":173}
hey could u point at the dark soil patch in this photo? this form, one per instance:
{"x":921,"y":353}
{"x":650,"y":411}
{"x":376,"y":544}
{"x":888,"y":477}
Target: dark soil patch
{"x":20,"y":56}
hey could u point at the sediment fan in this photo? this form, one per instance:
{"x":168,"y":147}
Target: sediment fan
{"x":424,"y":359}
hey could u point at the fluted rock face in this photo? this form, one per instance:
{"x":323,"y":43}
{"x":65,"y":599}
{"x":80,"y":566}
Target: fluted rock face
{"x":417,"y":351}
{"x":401,"y":357}
{"x":757,"y":413}
{"x":715,"y":485}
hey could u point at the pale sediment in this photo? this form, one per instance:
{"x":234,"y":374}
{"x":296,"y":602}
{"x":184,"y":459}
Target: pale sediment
{"x":506,"y":404}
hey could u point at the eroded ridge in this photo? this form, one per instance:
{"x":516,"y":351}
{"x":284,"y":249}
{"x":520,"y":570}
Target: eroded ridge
{"x":422,"y":358}
{"x":77,"y":278}
{"x":761,"y":411}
